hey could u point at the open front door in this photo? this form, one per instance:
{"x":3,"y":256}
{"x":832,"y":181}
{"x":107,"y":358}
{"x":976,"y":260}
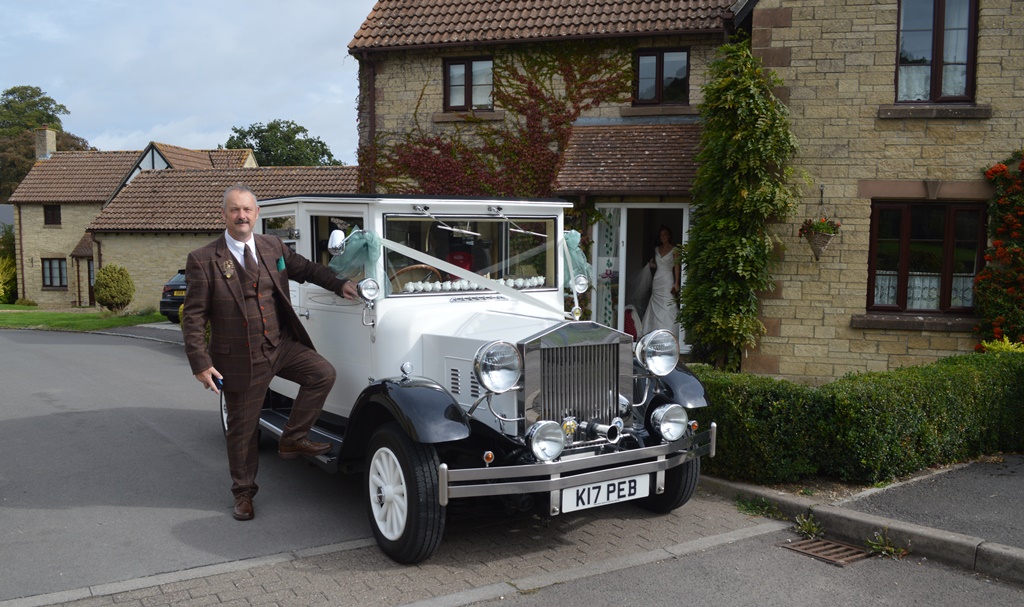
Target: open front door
{"x":624,"y":244}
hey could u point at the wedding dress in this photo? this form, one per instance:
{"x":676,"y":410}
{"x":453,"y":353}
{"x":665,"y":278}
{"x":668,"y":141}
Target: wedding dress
{"x":662,"y":309}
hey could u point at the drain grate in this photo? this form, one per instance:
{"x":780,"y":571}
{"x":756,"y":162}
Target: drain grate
{"x":829,"y":551}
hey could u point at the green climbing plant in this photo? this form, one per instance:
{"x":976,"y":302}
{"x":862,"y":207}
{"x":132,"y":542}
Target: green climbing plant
{"x":543,"y":90}
{"x":744,"y":180}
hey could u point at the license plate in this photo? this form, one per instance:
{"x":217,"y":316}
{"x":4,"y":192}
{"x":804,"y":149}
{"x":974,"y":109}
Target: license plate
{"x":607,"y":492}
{"x":179,"y":294}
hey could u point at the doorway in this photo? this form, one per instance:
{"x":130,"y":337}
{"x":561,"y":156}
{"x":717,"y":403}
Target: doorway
{"x":624,"y":243}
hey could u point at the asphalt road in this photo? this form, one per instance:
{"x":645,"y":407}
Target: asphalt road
{"x":978,"y":499}
{"x":757,"y":571}
{"x":113,"y":468}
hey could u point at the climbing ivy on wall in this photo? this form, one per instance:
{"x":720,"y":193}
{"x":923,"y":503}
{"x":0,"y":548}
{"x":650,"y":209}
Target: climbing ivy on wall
{"x":744,"y":181}
{"x":543,"y":90}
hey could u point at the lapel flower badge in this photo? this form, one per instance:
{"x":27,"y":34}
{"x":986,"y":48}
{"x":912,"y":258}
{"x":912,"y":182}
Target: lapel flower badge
{"x":229,"y":268}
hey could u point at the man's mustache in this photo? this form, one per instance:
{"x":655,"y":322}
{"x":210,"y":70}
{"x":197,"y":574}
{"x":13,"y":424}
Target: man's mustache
{"x":241,"y":221}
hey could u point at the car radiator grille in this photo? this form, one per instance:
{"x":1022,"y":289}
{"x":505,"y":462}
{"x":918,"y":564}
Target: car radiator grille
{"x":579,"y":381}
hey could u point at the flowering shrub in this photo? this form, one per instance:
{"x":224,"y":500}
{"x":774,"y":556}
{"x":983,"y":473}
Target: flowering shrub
{"x":999,"y":287}
{"x":822,"y":225}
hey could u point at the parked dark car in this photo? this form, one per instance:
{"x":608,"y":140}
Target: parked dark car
{"x":173,"y":296}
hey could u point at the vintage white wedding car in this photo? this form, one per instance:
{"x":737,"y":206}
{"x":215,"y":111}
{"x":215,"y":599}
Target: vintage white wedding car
{"x":461,"y":376}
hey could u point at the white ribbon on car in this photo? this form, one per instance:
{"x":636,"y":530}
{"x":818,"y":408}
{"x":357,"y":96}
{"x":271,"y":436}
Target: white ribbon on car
{"x":472,"y":276}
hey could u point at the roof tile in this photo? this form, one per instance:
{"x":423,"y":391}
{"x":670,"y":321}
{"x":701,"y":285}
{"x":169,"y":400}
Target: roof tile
{"x":67,"y":177}
{"x":629,"y":159}
{"x":404,"y":23}
{"x":186,"y":200}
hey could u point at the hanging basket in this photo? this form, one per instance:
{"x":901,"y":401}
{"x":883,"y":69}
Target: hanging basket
{"x":819,"y":241}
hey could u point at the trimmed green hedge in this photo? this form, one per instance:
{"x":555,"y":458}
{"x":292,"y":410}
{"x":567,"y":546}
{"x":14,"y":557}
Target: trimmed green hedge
{"x":865,"y":427}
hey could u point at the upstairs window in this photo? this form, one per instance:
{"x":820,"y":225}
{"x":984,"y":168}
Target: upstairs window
{"x":468,"y":84}
{"x":937,"y":47}
{"x":924,"y":256}
{"x":51,"y":214}
{"x":662,"y":77}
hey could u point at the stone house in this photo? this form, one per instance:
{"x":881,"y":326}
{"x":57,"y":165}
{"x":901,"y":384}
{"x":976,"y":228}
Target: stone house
{"x":64,"y":192}
{"x":143,"y":210}
{"x":151,"y":224}
{"x":897,"y":106}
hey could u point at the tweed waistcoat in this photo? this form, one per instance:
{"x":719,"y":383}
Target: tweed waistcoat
{"x":260,"y":311}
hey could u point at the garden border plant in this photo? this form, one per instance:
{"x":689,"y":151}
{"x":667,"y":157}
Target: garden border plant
{"x":744,"y":181}
{"x":999,"y":287}
{"x":868,"y":427}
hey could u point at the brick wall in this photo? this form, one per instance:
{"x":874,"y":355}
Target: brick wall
{"x":41,"y":241}
{"x":151,"y":259}
{"x":838,"y":63}
{"x":409,"y":85}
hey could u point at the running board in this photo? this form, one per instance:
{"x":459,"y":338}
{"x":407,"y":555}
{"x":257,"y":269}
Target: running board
{"x":274,"y":421}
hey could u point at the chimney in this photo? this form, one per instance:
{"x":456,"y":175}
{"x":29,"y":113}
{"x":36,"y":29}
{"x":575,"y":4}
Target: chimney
{"x":46,"y":142}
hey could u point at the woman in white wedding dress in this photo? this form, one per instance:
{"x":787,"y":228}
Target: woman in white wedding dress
{"x":662,"y":309}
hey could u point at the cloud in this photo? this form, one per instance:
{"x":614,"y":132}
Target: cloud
{"x":186,"y":72}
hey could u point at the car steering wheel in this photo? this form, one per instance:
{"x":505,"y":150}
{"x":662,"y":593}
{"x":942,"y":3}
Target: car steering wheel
{"x":427,"y":269}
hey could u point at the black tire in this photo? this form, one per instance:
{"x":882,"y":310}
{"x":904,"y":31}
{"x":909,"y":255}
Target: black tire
{"x":401,"y":495}
{"x":173,"y":319}
{"x":680,"y":485}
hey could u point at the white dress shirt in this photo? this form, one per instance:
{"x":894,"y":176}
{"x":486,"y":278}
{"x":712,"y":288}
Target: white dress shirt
{"x":238,"y":249}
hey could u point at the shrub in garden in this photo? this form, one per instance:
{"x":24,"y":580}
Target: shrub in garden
{"x":767,"y":427}
{"x":114,"y":287}
{"x":866,"y":427}
{"x":999,"y":287}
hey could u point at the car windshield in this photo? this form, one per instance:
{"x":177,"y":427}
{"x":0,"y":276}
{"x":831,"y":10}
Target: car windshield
{"x":518,"y":252}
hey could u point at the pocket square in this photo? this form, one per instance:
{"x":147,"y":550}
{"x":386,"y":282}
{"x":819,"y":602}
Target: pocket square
{"x":280,"y":263}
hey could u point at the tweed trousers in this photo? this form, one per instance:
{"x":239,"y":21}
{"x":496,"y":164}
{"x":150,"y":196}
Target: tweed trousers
{"x":290,"y":360}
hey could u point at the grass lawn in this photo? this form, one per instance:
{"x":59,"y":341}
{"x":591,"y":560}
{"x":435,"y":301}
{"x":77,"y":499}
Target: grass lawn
{"x":31,"y":317}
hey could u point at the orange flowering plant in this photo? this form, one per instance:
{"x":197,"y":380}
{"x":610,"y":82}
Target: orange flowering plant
{"x":822,"y":225}
{"x":999,"y":286}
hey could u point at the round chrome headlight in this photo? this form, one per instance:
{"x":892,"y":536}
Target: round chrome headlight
{"x":546,"y":440}
{"x":580,"y":284}
{"x":497,"y":365}
{"x":368,"y":289}
{"x":670,"y":421}
{"x":658,"y":352}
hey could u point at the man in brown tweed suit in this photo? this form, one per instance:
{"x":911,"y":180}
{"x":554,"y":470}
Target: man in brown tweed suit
{"x":239,"y":284}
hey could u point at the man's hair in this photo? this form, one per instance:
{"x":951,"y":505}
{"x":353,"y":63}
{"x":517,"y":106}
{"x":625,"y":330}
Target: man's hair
{"x":238,"y":187}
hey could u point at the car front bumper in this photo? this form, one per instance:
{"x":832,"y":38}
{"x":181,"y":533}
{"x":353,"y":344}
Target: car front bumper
{"x":553,"y":477}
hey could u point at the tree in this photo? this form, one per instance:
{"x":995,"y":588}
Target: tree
{"x":18,"y":154}
{"x":8,"y":269}
{"x":22,"y":109}
{"x":282,"y":143}
{"x":28,"y":107}
{"x":743,"y":181}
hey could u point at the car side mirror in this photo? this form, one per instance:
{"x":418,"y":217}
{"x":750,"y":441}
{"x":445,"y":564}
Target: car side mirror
{"x":336,"y":243}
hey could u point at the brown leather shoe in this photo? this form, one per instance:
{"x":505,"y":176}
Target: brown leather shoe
{"x":303,"y":446}
{"x":243,"y":510}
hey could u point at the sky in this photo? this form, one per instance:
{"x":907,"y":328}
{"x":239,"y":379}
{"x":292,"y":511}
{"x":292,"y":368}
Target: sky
{"x":185,"y":72}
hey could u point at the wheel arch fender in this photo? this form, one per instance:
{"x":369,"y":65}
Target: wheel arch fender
{"x":423,"y":409}
{"x":679,"y":386}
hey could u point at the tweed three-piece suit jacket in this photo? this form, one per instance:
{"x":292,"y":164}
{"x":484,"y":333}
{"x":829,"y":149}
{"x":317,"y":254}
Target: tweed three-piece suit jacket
{"x":215,"y":295}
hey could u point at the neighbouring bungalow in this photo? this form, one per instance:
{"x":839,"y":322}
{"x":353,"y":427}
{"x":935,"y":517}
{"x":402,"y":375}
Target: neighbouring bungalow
{"x":150,"y":226}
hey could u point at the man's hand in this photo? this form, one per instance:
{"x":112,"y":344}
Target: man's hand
{"x":348,"y":290}
{"x":207,"y":379}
